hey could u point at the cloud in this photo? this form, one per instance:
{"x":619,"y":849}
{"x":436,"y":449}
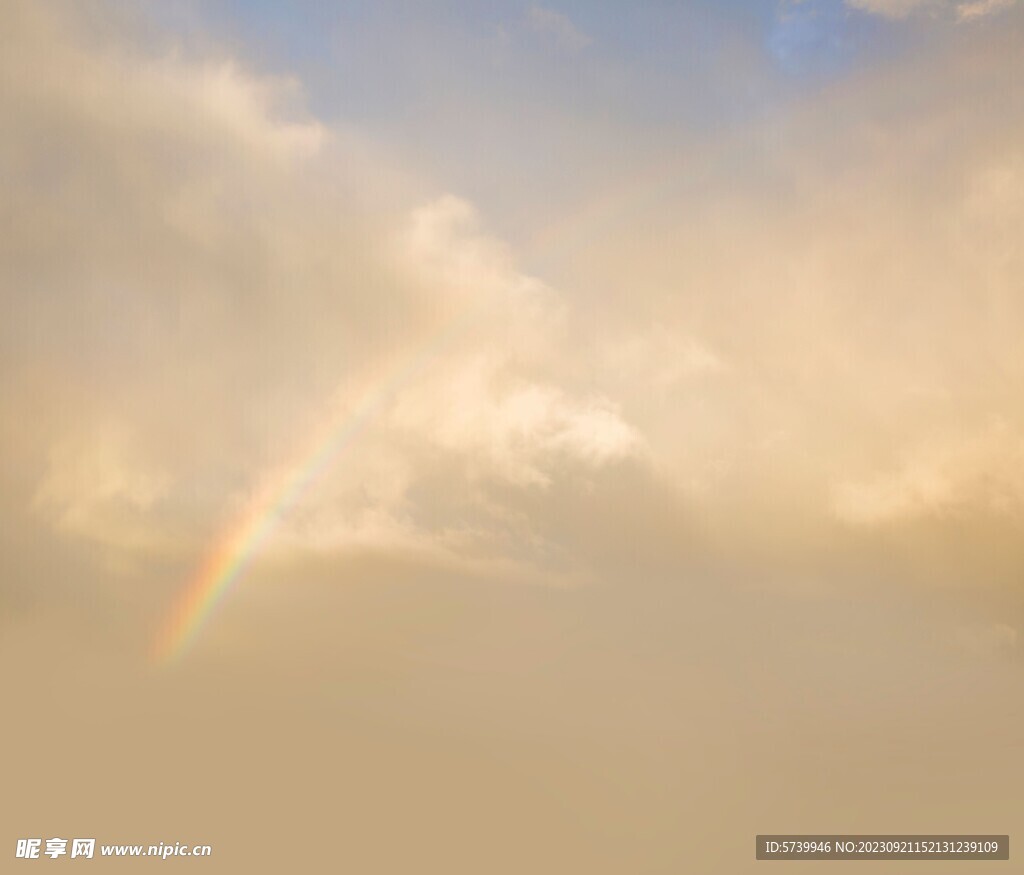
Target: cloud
{"x":663,"y":359}
{"x":893,"y":8}
{"x":980,"y":8}
{"x":95,"y":486}
{"x":977,"y":475}
{"x":521,"y":430}
{"x":557,"y":26}
{"x":903,"y":8}
{"x":477,"y":401}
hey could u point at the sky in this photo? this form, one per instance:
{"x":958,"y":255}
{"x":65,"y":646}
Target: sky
{"x":510,"y":437}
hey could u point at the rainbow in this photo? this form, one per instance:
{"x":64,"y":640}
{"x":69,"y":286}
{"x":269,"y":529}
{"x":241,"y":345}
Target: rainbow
{"x":234,"y":552}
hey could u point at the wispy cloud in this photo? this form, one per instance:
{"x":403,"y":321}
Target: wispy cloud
{"x":558,"y":27}
{"x":980,"y":8}
{"x":903,"y":8}
{"x":893,"y":8}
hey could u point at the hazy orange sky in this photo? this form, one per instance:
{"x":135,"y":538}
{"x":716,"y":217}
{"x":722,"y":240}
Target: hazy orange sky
{"x":626,"y":400}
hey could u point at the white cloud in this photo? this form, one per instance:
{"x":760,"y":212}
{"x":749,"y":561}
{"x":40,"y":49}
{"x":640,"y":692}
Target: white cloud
{"x":558,"y":26}
{"x":964,"y":11}
{"x":980,"y":8}
{"x":892,"y":8}
{"x":523,"y":432}
{"x":479,"y":399}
